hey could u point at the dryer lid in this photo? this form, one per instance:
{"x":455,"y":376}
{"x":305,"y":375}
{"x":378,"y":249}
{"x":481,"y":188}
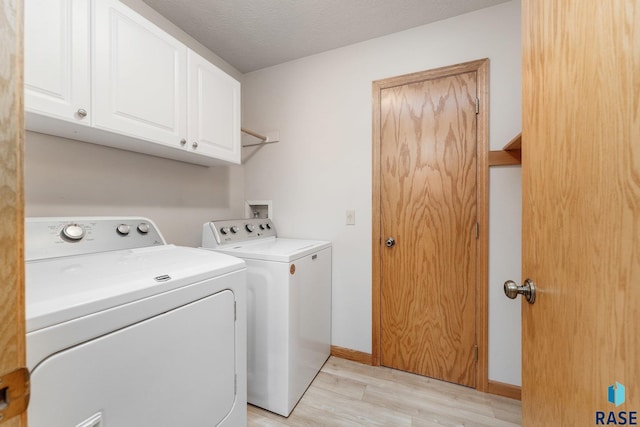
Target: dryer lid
{"x":62,"y":289}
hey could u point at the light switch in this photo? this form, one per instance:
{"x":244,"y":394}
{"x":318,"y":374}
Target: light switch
{"x":351,"y":217}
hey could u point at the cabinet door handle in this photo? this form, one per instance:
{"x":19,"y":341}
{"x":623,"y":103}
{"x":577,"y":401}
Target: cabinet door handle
{"x":82,"y":113}
{"x":194,"y":145}
{"x":183,"y":141}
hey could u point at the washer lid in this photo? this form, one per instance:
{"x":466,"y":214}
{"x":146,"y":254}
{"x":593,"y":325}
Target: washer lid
{"x":275,"y":249}
{"x":62,"y":289}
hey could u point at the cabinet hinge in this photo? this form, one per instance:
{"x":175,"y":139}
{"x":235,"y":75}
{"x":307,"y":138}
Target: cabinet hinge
{"x":475,"y":352}
{"x":477,"y":230}
{"x":15,"y":388}
{"x":477,"y":105}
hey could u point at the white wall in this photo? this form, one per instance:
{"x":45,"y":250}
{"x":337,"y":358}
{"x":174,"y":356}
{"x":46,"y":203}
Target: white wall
{"x":71,"y":178}
{"x":322,"y":107}
{"x":505,"y":222}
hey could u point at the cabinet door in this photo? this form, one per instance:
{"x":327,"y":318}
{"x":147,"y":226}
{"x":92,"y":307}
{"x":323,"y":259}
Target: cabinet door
{"x":56,"y":56}
{"x":139,"y":76}
{"x":214,"y":110}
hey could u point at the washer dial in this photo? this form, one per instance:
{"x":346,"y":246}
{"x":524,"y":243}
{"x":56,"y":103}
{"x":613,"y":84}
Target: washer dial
{"x":123,"y":229}
{"x":73,"y":232}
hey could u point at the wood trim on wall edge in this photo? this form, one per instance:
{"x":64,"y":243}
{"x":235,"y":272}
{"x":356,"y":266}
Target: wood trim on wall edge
{"x":12,"y":276}
{"x":353,"y":355}
{"x":504,"y":390}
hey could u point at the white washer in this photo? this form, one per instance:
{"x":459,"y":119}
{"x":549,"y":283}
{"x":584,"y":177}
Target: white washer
{"x":288,"y":308}
{"x":125,"y":330}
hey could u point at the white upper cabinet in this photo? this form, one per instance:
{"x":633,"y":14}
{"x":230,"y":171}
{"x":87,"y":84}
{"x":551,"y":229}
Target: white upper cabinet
{"x":214,"y":110}
{"x":97,"y":71}
{"x":57,"y":60}
{"x":140,"y":87}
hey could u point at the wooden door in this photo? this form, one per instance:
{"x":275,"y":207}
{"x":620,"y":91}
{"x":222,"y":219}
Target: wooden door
{"x":428,"y":179}
{"x":12,"y":317}
{"x":581,"y":210}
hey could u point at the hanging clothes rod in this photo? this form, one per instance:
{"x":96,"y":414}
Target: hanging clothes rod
{"x":254,"y":134}
{"x":268,"y":139}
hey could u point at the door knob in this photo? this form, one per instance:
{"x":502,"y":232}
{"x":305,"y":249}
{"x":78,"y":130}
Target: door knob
{"x":390,"y":242}
{"x":511,"y":290}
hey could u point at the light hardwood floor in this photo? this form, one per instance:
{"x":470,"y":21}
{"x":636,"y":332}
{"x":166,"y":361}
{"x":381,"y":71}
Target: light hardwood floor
{"x":347,"y":393}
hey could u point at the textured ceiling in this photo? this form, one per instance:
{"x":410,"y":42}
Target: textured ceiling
{"x":253,"y":34}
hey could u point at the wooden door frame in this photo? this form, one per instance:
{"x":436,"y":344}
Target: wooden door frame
{"x":481,"y":67}
{"x":12,"y":305}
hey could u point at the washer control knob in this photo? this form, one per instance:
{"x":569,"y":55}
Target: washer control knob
{"x":143,"y":228}
{"x":250,"y":227}
{"x":262,"y":227}
{"x":268,"y":226}
{"x":123,"y":229}
{"x":224,"y":230}
{"x":73,"y":232}
{"x":234,"y":229}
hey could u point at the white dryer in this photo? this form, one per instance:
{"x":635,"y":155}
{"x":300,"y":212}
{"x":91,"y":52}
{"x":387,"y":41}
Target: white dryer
{"x":288,"y":308}
{"x":125,"y":330}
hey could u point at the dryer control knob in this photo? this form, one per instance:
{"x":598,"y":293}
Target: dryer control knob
{"x":73,"y":232}
{"x":123,"y":229}
{"x":262,"y":227}
{"x":268,"y":226}
{"x":143,"y":228}
{"x":234,"y":229}
{"x":250,"y":227}
{"x":224,"y":230}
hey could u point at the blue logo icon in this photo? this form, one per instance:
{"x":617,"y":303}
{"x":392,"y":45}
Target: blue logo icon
{"x":616,"y":394}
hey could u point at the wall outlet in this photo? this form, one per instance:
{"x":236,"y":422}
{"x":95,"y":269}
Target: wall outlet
{"x":351,"y":217}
